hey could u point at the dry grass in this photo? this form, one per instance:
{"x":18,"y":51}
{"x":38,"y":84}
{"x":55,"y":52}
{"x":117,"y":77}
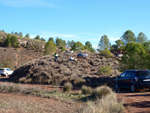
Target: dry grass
{"x":107,"y":104}
{"x":101,"y":91}
{"x":67,"y":87}
{"x":86,"y":90}
{"x":17,"y":88}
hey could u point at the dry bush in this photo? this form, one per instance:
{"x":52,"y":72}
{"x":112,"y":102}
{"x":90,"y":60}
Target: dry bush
{"x":67,"y":87}
{"x":7,"y":61}
{"x":86,"y":90}
{"x":101,"y":91}
{"x":79,"y":82}
{"x":108,"y":104}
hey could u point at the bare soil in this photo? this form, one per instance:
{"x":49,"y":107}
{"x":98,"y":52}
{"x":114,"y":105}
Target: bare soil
{"x":17,"y":103}
{"x":138,"y":102}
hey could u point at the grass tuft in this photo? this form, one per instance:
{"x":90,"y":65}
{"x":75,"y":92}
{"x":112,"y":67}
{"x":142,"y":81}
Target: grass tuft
{"x":67,"y":87}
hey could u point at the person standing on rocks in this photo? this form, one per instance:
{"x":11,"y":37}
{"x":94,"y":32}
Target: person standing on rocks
{"x":56,"y":56}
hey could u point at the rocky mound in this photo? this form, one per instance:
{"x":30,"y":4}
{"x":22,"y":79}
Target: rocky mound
{"x":83,"y":71}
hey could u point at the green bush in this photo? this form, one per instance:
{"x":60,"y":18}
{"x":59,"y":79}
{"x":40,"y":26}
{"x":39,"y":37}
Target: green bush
{"x":106,"y":53}
{"x":50,"y":48}
{"x":62,"y":49}
{"x":67,"y":87}
{"x":105,"y":70}
{"x":101,"y":91}
{"x":86,"y":90}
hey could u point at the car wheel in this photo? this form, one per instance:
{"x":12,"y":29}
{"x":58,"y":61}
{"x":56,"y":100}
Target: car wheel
{"x":132,"y":88}
{"x":6,"y":74}
{"x":116,"y":88}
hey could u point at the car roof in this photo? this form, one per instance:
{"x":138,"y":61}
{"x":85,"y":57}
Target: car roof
{"x":137,"y":70}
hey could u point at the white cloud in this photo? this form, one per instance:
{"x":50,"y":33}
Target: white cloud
{"x":26,"y":3}
{"x":60,"y":35}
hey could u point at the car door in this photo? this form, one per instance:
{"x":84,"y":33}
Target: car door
{"x":128,"y":79}
{"x":9,"y":71}
{"x":121,"y":78}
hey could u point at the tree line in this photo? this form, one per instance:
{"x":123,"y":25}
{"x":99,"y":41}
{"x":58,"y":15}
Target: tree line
{"x":136,"y":49}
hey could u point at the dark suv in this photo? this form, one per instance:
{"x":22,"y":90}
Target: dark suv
{"x":133,"y":79}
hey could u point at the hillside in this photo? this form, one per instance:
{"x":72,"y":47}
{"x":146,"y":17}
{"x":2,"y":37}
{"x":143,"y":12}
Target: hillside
{"x":13,"y":58}
{"x":83,"y":71}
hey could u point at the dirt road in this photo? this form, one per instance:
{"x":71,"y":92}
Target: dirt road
{"x":138,"y":102}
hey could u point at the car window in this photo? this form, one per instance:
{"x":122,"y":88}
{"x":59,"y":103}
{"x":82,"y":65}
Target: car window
{"x":133,"y":74}
{"x":1,"y":69}
{"x":8,"y":69}
{"x":143,"y":73}
{"x":122,"y":75}
{"x":130,"y":74}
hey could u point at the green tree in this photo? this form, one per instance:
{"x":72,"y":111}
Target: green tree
{"x":37,"y":37}
{"x":51,"y":39}
{"x":50,"y":48}
{"x":14,"y":41}
{"x":20,"y":34}
{"x":64,"y":43}
{"x":16,"y":33}
{"x":128,"y":36}
{"x":135,"y":57}
{"x":42,"y":39}
{"x":59,"y":42}
{"x":79,"y":46}
{"x":7,"y":41}
{"x":74,"y":47}
{"x":89,"y":47}
{"x":104,"y":43}
{"x":68,"y":44}
{"x":141,"y":38}
{"x":27,"y":35}
{"x":120,"y":44}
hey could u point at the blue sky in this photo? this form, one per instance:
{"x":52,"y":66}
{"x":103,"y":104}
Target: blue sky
{"x":79,"y":20}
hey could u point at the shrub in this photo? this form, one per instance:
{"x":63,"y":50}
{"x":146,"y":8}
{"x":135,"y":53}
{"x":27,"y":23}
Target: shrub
{"x":86,"y":90}
{"x":79,"y":82}
{"x":62,"y":49}
{"x":105,"y":70}
{"x":67,"y":87}
{"x":108,"y":104}
{"x":50,"y":48}
{"x":101,"y":91}
{"x":106,"y":53}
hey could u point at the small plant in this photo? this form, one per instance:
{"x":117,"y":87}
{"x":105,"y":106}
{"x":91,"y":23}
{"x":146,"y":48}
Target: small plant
{"x":101,"y":91}
{"x":67,"y":87}
{"x":79,"y":82}
{"x":105,"y":70}
{"x":62,"y":49}
{"x":86,"y":90}
{"x":106,"y":53}
{"x":108,"y":104}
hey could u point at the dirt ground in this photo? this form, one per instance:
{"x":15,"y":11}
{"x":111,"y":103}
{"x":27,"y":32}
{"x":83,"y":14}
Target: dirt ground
{"x":16,"y":103}
{"x":138,"y":102}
